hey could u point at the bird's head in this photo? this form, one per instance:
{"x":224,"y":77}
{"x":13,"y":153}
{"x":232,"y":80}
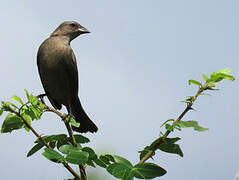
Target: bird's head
{"x":70,"y":29}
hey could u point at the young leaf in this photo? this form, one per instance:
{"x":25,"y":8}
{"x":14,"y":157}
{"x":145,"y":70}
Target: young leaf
{"x":11,"y":104}
{"x":221,"y":74}
{"x":205,"y":77}
{"x":148,"y":171}
{"x":28,"y":119}
{"x":1,"y":111}
{"x":191,"y":81}
{"x":35,"y":148}
{"x":27,"y":94}
{"x":194,"y":124}
{"x":74,"y":123}
{"x":41,"y":106}
{"x":36,"y":111}
{"x":15,"y":97}
{"x":33,"y":100}
{"x":77,"y":157}
{"x":53,"y":155}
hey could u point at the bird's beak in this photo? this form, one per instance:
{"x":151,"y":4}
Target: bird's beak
{"x":83,"y":30}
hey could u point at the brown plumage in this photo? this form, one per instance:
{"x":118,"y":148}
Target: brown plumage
{"x":59,"y":75}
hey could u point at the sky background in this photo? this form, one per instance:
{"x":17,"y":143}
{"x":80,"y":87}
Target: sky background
{"x":134,"y":68}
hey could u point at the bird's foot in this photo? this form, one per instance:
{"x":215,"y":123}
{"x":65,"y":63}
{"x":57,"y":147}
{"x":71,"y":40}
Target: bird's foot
{"x":41,"y":97}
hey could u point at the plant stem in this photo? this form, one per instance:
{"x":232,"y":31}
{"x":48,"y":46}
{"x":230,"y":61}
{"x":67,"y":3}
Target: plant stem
{"x":165,"y":135}
{"x":66,"y":165}
{"x":70,"y":132}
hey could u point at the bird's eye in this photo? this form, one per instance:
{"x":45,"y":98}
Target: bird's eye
{"x":73,"y":25}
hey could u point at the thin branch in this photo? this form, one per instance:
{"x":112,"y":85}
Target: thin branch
{"x":70,"y":132}
{"x":69,"y":129}
{"x":66,"y":165}
{"x":188,"y":108}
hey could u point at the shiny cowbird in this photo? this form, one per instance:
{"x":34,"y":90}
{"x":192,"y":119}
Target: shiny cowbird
{"x":59,"y":75}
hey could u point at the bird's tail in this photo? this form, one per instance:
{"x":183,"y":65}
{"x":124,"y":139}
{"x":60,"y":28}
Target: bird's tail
{"x":86,"y":125}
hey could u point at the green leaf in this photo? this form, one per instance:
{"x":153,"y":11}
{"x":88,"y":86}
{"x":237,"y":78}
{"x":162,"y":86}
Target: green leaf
{"x":74,"y":123}
{"x":77,"y":157}
{"x":224,"y":71}
{"x":11,"y":104}
{"x":81,"y":139}
{"x":33,"y":100}
{"x":91,"y":152}
{"x":41,"y":106}
{"x":100,"y":163}
{"x":53,"y":155}
{"x":169,"y":146}
{"x":221,"y":74}
{"x":145,"y":151}
{"x":35,"y":148}
{"x":205,"y":77}
{"x":194,"y":124}
{"x":11,"y":122}
{"x":122,"y":160}
{"x":118,"y":170}
{"x":67,"y":148}
{"x":27,"y":110}
{"x":15,"y":97}
{"x":119,"y":167}
{"x":56,"y":137}
{"x":207,"y":94}
{"x":191,"y":81}
{"x":90,"y":163}
{"x":166,"y":122}
{"x":105,"y":159}
{"x":129,"y":175}
{"x":169,"y":127}
{"x":110,"y":157}
{"x":28,"y":119}
{"x":1,"y":111}
{"x":52,"y":144}
{"x":27,"y":94}
{"x":36,"y":111}
{"x":62,"y":142}
{"x":148,"y":171}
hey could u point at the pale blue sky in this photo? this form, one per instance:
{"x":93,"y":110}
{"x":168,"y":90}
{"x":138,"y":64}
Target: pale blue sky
{"x":134,"y":68}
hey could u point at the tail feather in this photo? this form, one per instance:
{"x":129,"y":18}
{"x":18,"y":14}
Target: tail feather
{"x":86,"y":125}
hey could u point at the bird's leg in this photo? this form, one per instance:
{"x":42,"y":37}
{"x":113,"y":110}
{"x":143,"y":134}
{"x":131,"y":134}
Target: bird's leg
{"x":41,"y":97}
{"x":67,"y":121}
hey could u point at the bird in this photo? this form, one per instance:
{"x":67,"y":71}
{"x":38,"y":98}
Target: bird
{"x":58,"y":72}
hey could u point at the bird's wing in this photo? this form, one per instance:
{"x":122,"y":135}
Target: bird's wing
{"x":72,"y":72}
{"x":40,"y":60}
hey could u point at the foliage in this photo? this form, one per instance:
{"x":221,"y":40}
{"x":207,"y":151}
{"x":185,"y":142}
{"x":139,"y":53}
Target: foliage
{"x":72,"y":149}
